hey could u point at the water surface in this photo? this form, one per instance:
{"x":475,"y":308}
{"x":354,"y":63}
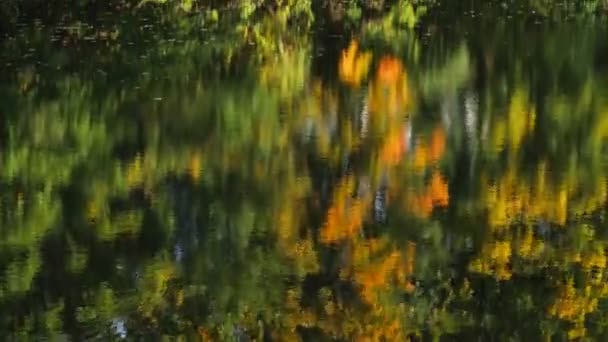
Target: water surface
{"x":321,"y":180}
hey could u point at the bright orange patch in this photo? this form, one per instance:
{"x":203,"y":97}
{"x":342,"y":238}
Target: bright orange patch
{"x":389,"y":70}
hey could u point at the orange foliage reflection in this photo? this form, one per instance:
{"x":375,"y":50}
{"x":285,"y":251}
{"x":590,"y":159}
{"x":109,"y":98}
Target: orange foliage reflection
{"x":389,"y":93}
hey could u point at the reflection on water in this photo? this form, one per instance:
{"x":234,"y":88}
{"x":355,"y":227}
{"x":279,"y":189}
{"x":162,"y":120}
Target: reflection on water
{"x":445,"y":182}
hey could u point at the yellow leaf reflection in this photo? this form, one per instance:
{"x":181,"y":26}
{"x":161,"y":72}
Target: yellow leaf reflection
{"x":354,"y":65}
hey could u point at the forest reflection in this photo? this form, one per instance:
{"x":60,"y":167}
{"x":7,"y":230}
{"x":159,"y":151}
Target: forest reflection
{"x":269,"y":183}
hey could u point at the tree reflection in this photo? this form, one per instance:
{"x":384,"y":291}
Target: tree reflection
{"x":226,"y":189}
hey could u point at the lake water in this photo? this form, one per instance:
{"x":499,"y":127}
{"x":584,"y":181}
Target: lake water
{"x":191,"y":177}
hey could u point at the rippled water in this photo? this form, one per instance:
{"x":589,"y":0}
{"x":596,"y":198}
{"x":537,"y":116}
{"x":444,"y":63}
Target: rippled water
{"x":332,"y":181}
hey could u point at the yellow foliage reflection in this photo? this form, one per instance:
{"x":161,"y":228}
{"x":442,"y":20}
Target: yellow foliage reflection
{"x":354,"y":64}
